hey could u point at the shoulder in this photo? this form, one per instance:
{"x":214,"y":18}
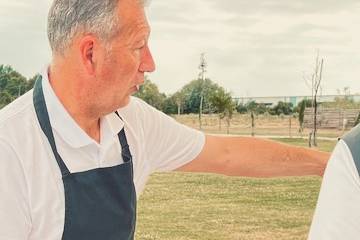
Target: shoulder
{"x":352,"y":141}
{"x":138,"y":104}
{"x":353,"y":135}
{"x":337,"y":207}
{"x":17,"y":119}
{"x":14,"y":119}
{"x":135,"y":106}
{"x":17,"y":108}
{"x":141,"y":112}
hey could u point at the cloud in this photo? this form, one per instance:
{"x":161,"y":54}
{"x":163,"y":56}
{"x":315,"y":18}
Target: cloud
{"x":284,"y":7}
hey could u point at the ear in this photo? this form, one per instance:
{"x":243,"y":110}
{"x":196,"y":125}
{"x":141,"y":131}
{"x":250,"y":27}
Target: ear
{"x":87,"y":49}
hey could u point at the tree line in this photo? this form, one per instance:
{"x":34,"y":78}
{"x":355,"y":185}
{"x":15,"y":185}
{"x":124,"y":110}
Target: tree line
{"x":13,"y":85}
{"x":216,"y":100}
{"x":185,"y":101}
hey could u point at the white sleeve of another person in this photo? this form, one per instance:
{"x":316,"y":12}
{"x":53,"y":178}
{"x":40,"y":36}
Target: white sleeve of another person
{"x":15,"y":221}
{"x":337,"y":214}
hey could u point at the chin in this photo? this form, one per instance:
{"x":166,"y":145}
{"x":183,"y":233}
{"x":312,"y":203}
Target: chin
{"x":124,"y":102}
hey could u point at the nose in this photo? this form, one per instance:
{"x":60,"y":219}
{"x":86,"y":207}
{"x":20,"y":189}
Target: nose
{"x":147,"y":62}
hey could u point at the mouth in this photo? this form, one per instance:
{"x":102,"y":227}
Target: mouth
{"x":135,"y":89}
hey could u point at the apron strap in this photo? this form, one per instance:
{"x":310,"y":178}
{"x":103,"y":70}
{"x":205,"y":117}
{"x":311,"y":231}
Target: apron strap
{"x":125,"y":150}
{"x":43,"y":117}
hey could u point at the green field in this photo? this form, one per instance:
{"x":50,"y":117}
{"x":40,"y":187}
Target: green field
{"x":323,"y":145}
{"x":208,"y":206}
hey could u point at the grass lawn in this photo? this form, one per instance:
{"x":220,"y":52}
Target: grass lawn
{"x":323,"y":145}
{"x":208,"y":206}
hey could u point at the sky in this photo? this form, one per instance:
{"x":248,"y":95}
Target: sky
{"x":252,"y":48}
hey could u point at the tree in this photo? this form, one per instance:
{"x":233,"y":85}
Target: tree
{"x":301,"y":110}
{"x":149,"y":92}
{"x":241,"y":108}
{"x":261,"y":109}
{"x":5,"y":99}
{"x":191,"y":93}
{"x":252,"y":106}
{"x":179,"y":98}
{"x":12,"y":85}
{"x":315,"y":82}
{"x":282,"y":108}
{"x":252,"y":123}
{"x":223,"y":105}
{"x":169,"y":105}
{"x":229,"y":111}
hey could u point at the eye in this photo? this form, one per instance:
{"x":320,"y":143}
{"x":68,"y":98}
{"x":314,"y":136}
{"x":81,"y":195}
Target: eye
{"x":140,"y":45}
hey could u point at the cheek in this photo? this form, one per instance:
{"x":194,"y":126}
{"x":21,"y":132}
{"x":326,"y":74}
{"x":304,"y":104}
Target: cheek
{"x":122,"y":68}
{"x":134,"y":60}
{"x":130,"y":66}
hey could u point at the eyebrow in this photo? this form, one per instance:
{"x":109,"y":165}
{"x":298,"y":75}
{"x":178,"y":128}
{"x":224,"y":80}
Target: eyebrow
{"x":143,"y":33}
{"x":142,"y":37}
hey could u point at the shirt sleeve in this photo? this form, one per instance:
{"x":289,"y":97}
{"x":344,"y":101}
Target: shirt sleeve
{"x":14,"y":209}
{"x":337,"y":214}
{"x":168,"y":144}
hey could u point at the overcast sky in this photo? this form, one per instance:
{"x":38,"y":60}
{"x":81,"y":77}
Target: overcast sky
{"x":253,"y":48}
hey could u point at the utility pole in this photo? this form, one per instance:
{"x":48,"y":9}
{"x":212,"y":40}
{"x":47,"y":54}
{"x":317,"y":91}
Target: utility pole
{"x":202,"y":68}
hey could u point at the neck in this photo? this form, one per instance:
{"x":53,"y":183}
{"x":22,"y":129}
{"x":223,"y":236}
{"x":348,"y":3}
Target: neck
{"x":70,"y":92}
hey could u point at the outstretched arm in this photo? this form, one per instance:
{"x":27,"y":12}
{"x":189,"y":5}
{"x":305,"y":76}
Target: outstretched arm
{"x":254,"y":157}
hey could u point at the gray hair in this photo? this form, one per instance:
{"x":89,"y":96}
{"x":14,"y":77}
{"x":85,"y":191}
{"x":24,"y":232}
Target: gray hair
{"x":68,"y":18}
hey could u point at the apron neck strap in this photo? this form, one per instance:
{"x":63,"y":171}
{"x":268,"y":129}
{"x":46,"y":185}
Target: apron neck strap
{"x":43,"y":117}
{"x":125,"y":151}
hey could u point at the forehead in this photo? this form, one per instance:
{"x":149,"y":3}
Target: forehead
{"x":132,"y":16}
{"x":133,"y":22}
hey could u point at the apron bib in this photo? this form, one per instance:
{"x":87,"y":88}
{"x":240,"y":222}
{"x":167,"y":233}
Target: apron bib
{"x":100,"y":204}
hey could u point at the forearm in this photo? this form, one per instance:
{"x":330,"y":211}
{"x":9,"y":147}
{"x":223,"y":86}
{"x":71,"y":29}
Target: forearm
{"x":254,"y":157}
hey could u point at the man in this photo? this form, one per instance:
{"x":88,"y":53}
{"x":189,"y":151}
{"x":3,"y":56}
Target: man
{"x":337,"y":215}
{"x":76,"y":151}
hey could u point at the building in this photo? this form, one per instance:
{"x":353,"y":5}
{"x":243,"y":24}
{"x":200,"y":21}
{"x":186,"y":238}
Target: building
{"x":272,"y":101}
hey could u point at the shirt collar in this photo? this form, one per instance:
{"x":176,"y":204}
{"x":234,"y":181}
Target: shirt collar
{"x":66,"y":126}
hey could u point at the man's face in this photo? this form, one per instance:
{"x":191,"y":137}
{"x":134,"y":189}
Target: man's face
{"x":128,"y":58}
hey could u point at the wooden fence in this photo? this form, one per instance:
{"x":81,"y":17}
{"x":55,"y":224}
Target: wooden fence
{"x":331,"y":118}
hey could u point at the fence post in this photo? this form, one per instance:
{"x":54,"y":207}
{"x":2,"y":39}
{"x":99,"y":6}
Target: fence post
{"x":252,"y":124}
{"x":290,"y":134}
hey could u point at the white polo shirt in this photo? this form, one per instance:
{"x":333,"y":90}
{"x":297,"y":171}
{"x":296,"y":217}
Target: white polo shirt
{"x":31,"y":188}
{"x":337,"y":214}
